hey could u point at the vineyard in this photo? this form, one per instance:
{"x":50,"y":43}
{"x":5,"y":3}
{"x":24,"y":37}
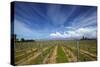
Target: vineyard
{"x":54,"y":51}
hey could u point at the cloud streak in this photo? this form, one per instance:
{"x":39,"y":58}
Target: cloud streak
{"x":45,"y":21}
{"x":89,"y":32}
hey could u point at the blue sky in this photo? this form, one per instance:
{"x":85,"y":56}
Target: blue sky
{"x":50,"y":21}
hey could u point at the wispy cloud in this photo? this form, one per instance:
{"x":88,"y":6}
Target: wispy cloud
{"x":22,"y":30}
{"x":89,"y":32}
{"x":81,"y":25}
{"x":84,"y":21}
{"x":57,"y":15}
{"x":45,"y":21}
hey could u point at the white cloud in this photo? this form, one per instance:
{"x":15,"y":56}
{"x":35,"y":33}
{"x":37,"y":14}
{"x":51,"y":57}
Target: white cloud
{"x":70,"y":28}
{"x":56,"y":35}
{"x":89,"y":32}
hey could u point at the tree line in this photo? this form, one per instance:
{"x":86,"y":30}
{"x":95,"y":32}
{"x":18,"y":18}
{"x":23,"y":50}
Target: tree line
{"x":14,"y":38}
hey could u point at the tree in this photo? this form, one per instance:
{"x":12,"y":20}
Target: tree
{"x":22,"y":39}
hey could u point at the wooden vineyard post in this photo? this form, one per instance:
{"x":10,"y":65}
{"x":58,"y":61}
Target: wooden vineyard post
{"x":28,"y":48}
{"x":77,"y":50}
{"x":40,"y":50}
{"x":25,"y":48}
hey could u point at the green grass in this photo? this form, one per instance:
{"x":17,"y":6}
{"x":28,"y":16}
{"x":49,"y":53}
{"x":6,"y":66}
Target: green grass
{"x":90,"y":46}
{"x":40,"y":58}
{"x":25,"y":55}
{"x":86,"y":45}
{"x":61,"y":57}
{"x":83,"y":57}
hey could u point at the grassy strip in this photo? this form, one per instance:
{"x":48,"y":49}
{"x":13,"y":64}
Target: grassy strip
{"x":17,"y":53}
{"x":40,"y":58}
{"x":61,"y":57}
{"x":90,"y":46}
{"x":23,"y":56}
{"x":82,"y":56}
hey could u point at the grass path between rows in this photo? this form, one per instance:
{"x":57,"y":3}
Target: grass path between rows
{"x":46,"y":59}
{"x":61,"y":57}
{"x":86,"y":53}
{"x":69,"y":54}
{"x":22,"y":53}
{"x":52,"y":56}
{"x":30,"y":57}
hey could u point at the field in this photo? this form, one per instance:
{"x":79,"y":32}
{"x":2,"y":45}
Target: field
{"x":54,"y":51}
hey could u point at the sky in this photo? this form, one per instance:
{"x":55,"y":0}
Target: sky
{"x":52,"y":21}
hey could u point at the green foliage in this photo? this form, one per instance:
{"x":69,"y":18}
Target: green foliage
{"x":61,"y":57}
{"x":40,"y":58}
{"x":86,"y":45}
{"x":23,"y":54}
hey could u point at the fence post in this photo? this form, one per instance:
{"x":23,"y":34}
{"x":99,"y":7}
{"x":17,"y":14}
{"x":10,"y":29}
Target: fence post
{"x":77,"y":50}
